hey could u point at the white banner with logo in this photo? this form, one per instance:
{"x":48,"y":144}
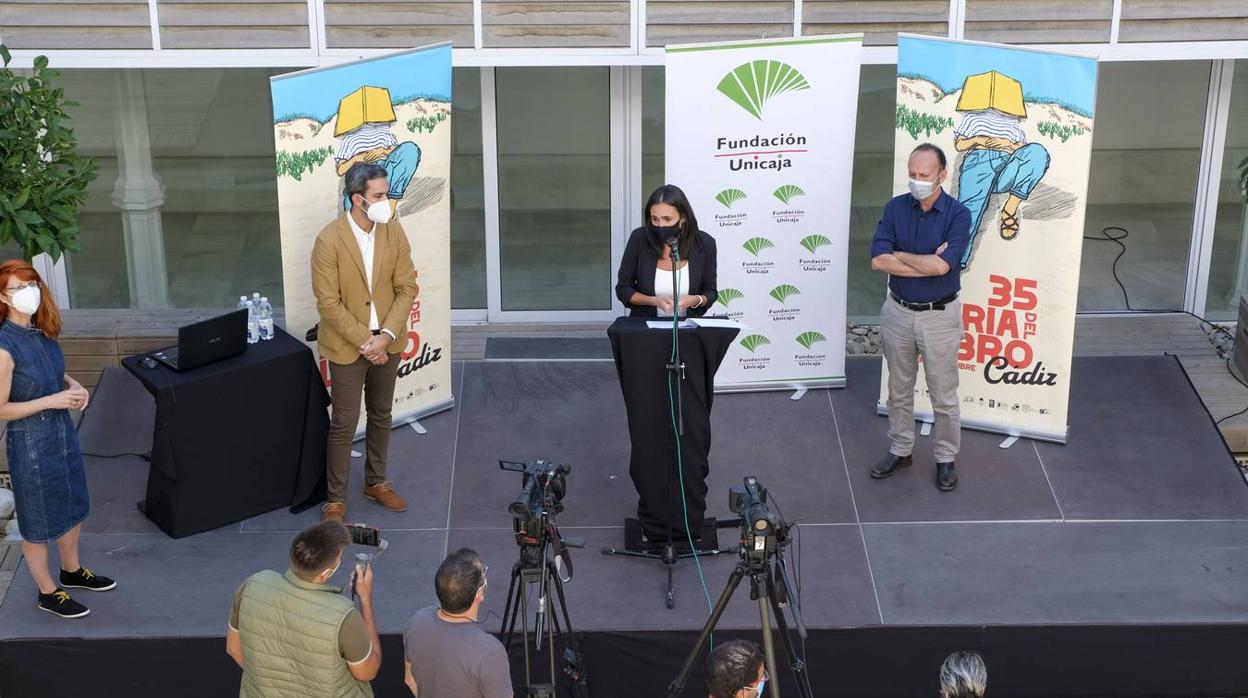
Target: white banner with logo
{"x":395,"y":111}
{"x":760,"y":136}
{"x":1016,"y":124}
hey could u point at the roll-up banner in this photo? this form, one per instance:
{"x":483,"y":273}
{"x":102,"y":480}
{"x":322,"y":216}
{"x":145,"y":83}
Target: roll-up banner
{"x":760,"y":136}
{"x":394,"y":110}
{"x":1016,"y":124}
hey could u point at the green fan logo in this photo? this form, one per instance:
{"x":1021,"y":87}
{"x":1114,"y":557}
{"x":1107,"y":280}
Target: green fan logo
{"x":814,"y":242}
{"x":756,"y":245}
{"x":754,"y":341}
{"x":788,"y":192}
{"x":728,"y":295}
{"x":752,"y":84}
{"x":728,"y":197}
{"x":808,"y":339}
{"x":783,"y":291}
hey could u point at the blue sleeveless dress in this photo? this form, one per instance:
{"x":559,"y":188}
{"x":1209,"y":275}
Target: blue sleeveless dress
{"x":49,"y":483}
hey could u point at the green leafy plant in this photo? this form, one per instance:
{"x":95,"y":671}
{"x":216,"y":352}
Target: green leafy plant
{"x":814,"y":242}
{"x":754,"y":341}
{"x":293,"y":165}
{"x":783,"y":291}
{"x":1243,"y":178}
{"x":788,"y":192}
{"x":1055,"y":130}
{"x":808,"y":339}
{"x":756,"y":245}
{"x":728,"y":295}
{"x":425,"y":123}
{"x":728,"y":197}
{"x":914,"y":122}
{"x":43,"y":179}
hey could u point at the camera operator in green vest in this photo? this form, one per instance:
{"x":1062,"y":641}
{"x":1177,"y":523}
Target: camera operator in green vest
{"x":295,"y":636}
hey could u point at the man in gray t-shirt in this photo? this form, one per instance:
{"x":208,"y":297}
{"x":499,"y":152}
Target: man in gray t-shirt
{"x":447,"y":654}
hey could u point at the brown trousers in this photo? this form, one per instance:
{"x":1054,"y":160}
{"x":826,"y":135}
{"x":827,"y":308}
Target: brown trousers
{"x":377,"y":385}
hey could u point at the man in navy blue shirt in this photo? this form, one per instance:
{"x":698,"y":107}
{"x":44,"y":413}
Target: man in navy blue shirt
{"x":919,"y":243}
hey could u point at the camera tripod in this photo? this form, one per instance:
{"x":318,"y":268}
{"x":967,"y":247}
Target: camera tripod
{"x":762,"y":588}
{"x":535,"y":568}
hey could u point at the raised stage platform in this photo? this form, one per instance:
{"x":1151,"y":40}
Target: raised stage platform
{"x":1116,"y":565}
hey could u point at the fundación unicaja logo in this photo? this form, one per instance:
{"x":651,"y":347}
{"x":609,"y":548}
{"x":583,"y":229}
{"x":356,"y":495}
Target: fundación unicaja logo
{"x":756,"y":245}
{"x":788,"y":192}
{"x":814,"y":242}
{"x":809,"y":339}
{"x":751,"y":85}
{"x":754,"y":341}
{"x":728,"y":197}
{"x":783,"y":291}
{"x":728,"y":295}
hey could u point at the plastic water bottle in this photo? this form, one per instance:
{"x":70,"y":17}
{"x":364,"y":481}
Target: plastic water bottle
{"x":265,"y":316}
{"x":253,"y":324}
{"x":255,"y":300}
{"x":242,"y":302}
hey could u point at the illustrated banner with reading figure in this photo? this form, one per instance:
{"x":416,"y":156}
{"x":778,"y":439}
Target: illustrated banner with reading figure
{"x":1016,"y":124}
{"x":395,"y":111}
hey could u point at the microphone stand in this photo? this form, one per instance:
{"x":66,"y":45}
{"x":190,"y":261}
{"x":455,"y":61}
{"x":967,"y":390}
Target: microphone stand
{"x":668,"y":554}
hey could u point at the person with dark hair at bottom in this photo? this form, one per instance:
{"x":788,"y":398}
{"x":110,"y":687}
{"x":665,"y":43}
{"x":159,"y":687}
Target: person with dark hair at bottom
{"x":963,"y":675}
{"x":295,"y":636}
{"x":736,"y":669}
{"x":446,"y":653}
{"x":919,"y":243}
{"x":645,"y":274}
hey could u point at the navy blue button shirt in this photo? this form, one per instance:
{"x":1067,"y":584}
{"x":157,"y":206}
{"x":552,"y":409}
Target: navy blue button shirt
{"x":906,"y":227}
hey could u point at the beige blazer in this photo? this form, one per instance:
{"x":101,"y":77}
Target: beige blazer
{"x":342,"y":294}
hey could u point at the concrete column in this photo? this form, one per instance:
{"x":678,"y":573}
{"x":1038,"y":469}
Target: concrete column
{"x":139,"y":195}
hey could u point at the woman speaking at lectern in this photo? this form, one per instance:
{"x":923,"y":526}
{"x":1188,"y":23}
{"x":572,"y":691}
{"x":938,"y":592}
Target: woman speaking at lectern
{"x":645,"y":276}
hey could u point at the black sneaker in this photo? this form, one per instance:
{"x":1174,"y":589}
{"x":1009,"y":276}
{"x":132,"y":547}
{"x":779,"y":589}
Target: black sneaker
{"x":86,"y":579}
{"x":58,"y":603}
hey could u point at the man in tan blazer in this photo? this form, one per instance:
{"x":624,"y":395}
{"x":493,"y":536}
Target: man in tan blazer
{"x":364,"y":282}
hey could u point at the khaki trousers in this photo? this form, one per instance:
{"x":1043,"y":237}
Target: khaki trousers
{"x":933,"y":335}
{"x":376,"y":383}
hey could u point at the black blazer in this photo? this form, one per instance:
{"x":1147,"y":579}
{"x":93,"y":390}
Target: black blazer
{"x":637,"y":269}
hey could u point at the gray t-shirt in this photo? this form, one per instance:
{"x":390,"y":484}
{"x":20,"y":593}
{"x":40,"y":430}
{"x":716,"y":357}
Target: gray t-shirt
{"x":455,"y":660}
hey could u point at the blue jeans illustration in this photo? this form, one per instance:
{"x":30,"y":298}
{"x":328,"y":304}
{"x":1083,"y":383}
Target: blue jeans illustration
{"x":988,"y":172}
{"x":400,"y":166}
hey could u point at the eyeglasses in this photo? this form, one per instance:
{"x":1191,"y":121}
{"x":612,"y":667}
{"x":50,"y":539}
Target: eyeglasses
{"x":14,"y":289}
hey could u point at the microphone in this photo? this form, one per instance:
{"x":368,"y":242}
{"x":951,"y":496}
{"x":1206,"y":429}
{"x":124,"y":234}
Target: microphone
{"x":673,"y":244}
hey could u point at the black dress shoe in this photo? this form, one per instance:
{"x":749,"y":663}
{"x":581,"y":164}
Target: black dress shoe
{"x":889,"y":465}
{"x":946,"y":476}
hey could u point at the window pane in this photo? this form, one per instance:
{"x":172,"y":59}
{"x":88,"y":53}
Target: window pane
{"x":97,"y":273}
{"x":1150,"y":121}
{"x":1228,"y":270}
{"x":653,"y":101}
{"x":212,"y":148}
{"x":872,"y":188}
{"x":554,"y":159}
{"x":467,"y":193}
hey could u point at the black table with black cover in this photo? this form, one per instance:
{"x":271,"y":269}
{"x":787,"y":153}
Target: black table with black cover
{"x":235,"y":438}
{"x":641,"y":358}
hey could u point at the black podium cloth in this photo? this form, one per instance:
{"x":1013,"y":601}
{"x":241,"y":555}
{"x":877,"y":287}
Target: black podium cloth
{"x":641,"y":358}
{"x":235,"y":438}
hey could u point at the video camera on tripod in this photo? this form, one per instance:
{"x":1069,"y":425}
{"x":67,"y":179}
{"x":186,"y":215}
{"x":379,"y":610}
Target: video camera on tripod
{"x":763,"y":531}
{"x":543,"y":486}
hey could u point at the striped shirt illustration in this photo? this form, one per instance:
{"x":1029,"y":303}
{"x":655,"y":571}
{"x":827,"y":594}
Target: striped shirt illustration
{"x":364,"y":138}
{"x":990,"y":122}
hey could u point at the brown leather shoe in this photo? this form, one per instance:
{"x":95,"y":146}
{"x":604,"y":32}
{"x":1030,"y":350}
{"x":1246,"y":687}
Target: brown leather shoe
{"x":334,"y":511}
{"x":385,"y":495}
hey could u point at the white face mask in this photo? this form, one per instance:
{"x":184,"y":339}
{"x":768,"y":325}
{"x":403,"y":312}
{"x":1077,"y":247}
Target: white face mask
{"x":920,"y":189}
{"x":380,"y":211}
{"x":27,"y":300}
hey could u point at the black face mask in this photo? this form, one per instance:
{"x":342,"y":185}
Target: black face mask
{"x":663,"y":232}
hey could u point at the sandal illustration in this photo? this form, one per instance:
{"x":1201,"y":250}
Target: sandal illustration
{"x":1009,"y":226}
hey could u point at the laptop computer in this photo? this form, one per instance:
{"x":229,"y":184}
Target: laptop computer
{"x":206,"y":341}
